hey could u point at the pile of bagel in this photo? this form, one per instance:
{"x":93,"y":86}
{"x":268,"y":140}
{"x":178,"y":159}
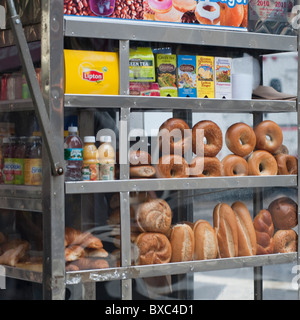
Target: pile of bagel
{"x":234,"y":233}
{"x":257,"y":151}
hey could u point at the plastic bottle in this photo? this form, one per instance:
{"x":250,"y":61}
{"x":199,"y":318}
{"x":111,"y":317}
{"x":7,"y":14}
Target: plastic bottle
{"x":73,"y":152}
{"x":19,"y":160}
{"x":8,"y":162}
{"x":90,"y":167}
{"x":33,"y":161}
{"x":106,"y":158}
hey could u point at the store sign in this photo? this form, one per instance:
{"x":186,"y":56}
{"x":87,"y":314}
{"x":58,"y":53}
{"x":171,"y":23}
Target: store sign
{"x":220,"y":13}
{"x":2,"y":18}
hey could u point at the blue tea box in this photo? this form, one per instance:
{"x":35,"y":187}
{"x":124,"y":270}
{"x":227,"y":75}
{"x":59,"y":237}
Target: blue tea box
{"x":187,"y":76}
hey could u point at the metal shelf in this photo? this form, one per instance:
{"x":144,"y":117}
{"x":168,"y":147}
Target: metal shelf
{"x":122,"y":29}
{"x":134,"y":185}
{"x":16,"y":105}
{"x":27,"y":198}
{"x":169,"y":103}
{"x":133,"y":272}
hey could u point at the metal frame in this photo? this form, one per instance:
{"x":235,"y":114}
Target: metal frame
{"x":50,"y":198}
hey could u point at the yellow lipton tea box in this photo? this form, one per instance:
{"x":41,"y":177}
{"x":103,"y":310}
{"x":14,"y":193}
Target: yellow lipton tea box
{"x":91,"y":72}
{"x":205,"y":77}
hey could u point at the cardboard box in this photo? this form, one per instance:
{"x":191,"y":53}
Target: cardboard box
{"x":187,"y":76}
{"x":141,"y":65}
{"x":166,"y":74}
{"x":205,"y":77}
{"x":223,"y":81}
{"x":91,"y":72}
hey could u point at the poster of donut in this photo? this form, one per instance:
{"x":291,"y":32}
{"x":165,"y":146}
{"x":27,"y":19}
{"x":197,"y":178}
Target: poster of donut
{"x":216,"y":13}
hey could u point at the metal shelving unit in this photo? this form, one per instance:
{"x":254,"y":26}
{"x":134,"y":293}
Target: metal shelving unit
{"x":49,"y":199}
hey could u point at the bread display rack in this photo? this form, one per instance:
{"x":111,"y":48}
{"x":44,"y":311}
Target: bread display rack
{"x":49,"y":199}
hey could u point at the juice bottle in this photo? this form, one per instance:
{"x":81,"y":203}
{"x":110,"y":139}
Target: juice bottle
{"x":19,"y":160}
{"x":33,"y":162}
{"x":90,"y":167}
{"x":73,"y":150}
{"x":8,"y":162}
{"x":106,"y":158}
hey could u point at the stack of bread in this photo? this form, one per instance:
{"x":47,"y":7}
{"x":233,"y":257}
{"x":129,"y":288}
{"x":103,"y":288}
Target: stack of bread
{"x":233,"y":234}
{"x":83,"y":251}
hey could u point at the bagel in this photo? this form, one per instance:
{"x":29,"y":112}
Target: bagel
{"x":213,"y":136}
{"x":205,"y":167}
{"x":285,"y":241}
{"x":240,"y":139}
{"x":287,"y":164}
{"x":262,"y":163}
{"x":172,"y":166}
{"x":233,"y":165}
{"x":269,"y":136}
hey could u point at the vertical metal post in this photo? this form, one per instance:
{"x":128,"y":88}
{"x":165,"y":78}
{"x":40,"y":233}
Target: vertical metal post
{"x":257,"y":206}
{"x":298,"y":150}
{"x":126,"y":285}
{"x":52,"y":65}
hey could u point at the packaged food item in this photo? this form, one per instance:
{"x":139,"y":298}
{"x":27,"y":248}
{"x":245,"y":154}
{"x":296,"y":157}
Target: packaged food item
{"x":223,"y":82}
{"x":141,"y":65}
{"x":19,"y":160}
{"x":187,"y":76}
{"x":14,"y":86}
{"x":91,"y":72}
{"x":3,"y":86}
{"x":33,"y":161}
{"x":102,"y":8}
{"x":90,"y":166}
{"x":106,"y":158}
{"x":73,"y":154}
{"x":205,"y":77}
{"x":144,"y":89}
{"x":166,"y":68}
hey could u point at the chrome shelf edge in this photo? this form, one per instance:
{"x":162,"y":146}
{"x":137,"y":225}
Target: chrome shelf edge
{"x":134,"y":185}
{"x":169,"y":103}
{"x":145,"y":271}
{"x":16,"y":105}
{"x":122,"y":29}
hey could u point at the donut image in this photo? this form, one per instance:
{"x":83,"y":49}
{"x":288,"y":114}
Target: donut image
{"x":175,"y":136}
{"x":233,"y":165}
{"x":285,"y":241}
{"x":207,"y":12}
{"x":240,"y":139}
{"x":213,"y":136}
{"x":231,"y":17}
{"x":184,"y":5}
{"x":172,"y":15}
{"x":262,"y":163}
{"x":245,"y":18}
{"x":287,"y":164}
{"x":269,"y":136}
{"x":172,"y":166}
{"x":160,"y":6}
{"x":212,"y":167}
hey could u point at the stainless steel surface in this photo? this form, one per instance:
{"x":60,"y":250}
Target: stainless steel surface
{"x":174,"y":33}
{"x":145,"y":271}
{"x":52,"y":64}
{"x":132,"y":185}
{"x":16,"y":105}
{"x":169,"y":103}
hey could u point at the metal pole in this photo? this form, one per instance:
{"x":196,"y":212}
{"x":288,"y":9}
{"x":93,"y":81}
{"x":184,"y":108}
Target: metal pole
{"x":38,"y":101}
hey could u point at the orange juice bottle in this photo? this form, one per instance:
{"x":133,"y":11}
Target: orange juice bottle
{"x":106,"y":158}
{"x":90,"y":166}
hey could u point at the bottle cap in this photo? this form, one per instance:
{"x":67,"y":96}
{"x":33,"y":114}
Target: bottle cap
{"x":72,"y":129}
{"x":105,"y":139}
{"x":89,"y":139}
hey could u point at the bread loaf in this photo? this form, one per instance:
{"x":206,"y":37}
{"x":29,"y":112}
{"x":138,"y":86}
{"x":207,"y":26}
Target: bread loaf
{"x":182,"y":243}
{"x":225,"y":224}
{"x":264,"y":230}
{"x":206,"y":243}
{"x":246,"y":231}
